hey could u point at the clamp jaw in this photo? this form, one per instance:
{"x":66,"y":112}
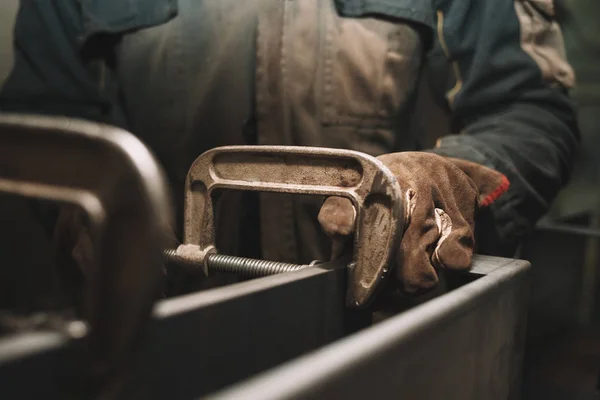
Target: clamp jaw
{"x":364,"y":180}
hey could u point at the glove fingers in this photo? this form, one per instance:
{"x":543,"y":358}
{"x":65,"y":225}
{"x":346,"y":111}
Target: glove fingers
{"x":414,"y":267}
{"x":454,"y":249}
{"x":337,"y":216}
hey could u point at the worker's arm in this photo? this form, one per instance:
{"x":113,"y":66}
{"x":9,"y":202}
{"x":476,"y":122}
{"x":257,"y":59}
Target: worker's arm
{"x":517,"y":139}
{"x":509,"y":101}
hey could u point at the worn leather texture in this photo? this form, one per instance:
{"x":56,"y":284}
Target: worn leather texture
{"x":441,"y":198}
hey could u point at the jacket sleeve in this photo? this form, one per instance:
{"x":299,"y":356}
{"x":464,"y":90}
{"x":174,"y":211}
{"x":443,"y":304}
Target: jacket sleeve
{"x":509,"y":101}
{"x":64,"y":61}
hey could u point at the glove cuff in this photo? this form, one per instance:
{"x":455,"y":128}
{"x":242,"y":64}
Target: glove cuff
{"x":490,"y":183}
{"x":496,"y":193}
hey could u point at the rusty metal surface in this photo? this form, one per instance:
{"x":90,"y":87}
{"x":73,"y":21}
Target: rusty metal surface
{"x":364,"y":180}
{"x":113,"y":177}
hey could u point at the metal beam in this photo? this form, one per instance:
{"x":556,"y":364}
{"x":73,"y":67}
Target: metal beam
{"x":204,"y":341}
{"x":207,"y":341}
{"x":466,"y":344}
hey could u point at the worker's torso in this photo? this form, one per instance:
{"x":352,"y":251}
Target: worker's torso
{"x":189,"y":75}
{"x":273,"y":72}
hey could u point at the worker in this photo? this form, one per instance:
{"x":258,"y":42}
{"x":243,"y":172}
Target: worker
{"x":188,"y":75}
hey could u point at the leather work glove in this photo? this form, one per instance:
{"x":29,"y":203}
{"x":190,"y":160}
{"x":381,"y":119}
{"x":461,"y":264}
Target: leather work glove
{"x":441,"y":198}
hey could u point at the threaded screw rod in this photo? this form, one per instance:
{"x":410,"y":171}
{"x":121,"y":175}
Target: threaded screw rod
{"x":241,"y":265}
{"x":249,"y":266}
